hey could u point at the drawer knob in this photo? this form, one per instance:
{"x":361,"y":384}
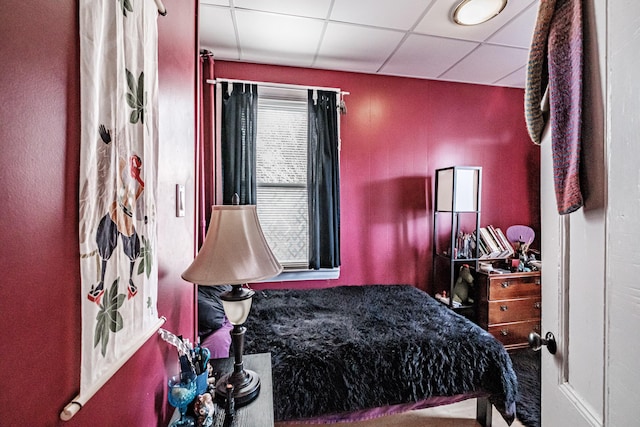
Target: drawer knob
{"x":538,"y":281}
{"x":505,"y":284}
{"x":537,"y":305}
{"x":504,"y":308}
{"x":504,"y":332}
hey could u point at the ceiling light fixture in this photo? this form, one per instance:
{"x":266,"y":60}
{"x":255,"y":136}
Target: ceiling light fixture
{"x":474,"y":12}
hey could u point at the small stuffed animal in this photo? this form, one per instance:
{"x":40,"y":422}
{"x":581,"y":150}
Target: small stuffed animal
{"x":463,"y":286}
{"x":203,"y":407}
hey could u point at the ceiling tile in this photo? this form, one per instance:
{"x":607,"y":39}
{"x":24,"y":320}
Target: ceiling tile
{"x":515,"y":79}
{"x":439,"y":21}
{"x":307,"y":8}
{"x":413,"y":38}
{"x":487,"y":64}
{"x":215,"y":2}
{"x":426,"y":56}
{"x":268,"y":37}
{"x":519,"y":31}
{"x":397,"y":14}
{"x":356,"y":48}
{"x":217,"y":32}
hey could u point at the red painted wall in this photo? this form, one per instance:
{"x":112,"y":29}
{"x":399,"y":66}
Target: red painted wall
{"x":39,"y":162}
{"x":397,"y":131}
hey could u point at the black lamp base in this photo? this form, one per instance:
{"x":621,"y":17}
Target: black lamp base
{"x":246,"y":387}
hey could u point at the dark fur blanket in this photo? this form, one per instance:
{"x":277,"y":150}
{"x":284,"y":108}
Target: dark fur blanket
{"x":350,"y":348}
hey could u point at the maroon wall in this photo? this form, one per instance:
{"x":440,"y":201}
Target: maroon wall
{"x":39,"y":162}
{"x":397,"y":131}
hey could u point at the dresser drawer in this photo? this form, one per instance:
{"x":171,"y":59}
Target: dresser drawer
{"x":516,"y":333}
{"x":514,"y":310}
{"x":511,"y":286}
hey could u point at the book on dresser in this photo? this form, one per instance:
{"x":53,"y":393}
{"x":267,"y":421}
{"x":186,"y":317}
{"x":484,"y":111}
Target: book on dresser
{"x":505,"y":247}
{"x":492,"y":243}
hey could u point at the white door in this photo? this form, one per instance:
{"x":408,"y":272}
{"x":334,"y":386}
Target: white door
{"x":572,"y":309}
{"x":622,"y":361}
{"x":573,"y":259}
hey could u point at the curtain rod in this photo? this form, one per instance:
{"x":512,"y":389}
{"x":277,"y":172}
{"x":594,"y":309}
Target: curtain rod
{"x":283,"y":85}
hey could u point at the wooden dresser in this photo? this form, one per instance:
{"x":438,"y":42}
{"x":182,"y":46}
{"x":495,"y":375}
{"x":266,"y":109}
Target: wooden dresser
{"x":509,"y":306}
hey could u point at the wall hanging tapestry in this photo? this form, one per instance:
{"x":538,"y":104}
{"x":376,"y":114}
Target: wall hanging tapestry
{"x":118,"y":174}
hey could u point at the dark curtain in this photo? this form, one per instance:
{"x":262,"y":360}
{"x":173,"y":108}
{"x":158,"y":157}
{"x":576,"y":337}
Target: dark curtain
{"x":238,"y":145}
{"x":206,"y":145}
{"x":323,"y":181}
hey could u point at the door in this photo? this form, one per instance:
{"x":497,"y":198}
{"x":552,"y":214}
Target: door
{"x":572,"y":309}
{"x":573,"y":261}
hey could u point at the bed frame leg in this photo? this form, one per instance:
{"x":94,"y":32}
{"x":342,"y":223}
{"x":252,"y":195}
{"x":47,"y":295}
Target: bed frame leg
{"x":483,"y":411}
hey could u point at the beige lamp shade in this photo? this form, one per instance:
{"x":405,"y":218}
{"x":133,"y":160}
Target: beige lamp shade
{"x":235,"y":250}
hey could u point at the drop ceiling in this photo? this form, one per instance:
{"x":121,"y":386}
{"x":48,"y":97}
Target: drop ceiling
{"x":409,"y":38}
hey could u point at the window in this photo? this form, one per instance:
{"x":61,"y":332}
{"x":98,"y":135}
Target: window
{"x":281,"y":173}
{"x":279,"y":150}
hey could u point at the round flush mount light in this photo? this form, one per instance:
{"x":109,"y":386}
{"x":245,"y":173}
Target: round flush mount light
{"x":474,"y":12}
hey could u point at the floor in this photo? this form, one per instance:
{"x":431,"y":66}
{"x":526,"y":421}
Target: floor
{"x":460,"y":414}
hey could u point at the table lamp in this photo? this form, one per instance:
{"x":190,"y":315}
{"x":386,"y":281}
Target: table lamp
{"x":235,"y":252}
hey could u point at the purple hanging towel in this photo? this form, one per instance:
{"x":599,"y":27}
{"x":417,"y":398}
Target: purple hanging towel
{"x":564,"y":48}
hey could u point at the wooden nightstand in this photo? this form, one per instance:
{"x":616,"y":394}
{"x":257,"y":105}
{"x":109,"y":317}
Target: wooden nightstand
{"x":509,"y":306}
{"x":258,"y":413}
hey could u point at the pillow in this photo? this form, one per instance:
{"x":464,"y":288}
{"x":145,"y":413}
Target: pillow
{"x":218,"y":342}
{"x":210,"y":311}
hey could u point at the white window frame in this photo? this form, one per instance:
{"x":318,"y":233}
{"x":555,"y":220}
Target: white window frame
{"x":288,"y":274}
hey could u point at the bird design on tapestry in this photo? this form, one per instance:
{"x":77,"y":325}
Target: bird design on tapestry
{"x":117,"y":223}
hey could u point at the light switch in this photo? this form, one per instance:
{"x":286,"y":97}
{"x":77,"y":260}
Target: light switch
{"x":179,"y":200}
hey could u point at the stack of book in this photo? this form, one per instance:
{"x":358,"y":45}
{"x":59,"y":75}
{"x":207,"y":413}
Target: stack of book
{"x":493,"y":244}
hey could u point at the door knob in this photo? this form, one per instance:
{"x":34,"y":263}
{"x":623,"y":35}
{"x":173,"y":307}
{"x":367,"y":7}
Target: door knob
{"x":536,"y":342}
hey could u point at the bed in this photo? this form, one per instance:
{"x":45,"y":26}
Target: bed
{"x":356,"y":352}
